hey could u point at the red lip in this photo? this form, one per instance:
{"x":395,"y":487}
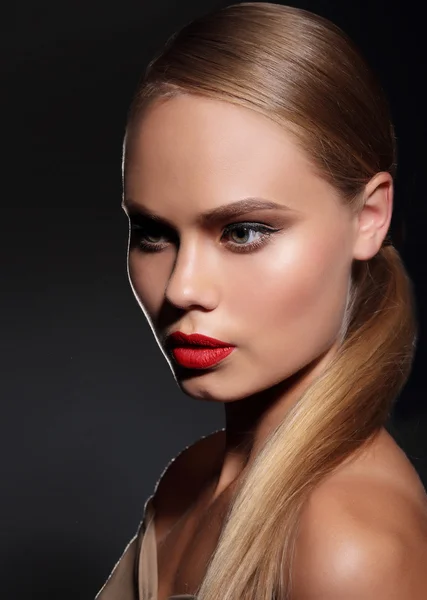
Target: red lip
{"x":197,"y":351}
{"x":179,"y":339}
{"x":200,"y":358}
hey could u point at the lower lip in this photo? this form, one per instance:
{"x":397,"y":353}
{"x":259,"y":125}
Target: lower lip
{"x":200,"y":358}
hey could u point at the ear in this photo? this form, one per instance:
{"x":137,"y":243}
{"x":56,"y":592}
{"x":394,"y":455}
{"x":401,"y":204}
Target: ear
{"x":373,"y":220}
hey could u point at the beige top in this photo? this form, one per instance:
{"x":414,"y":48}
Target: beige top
{"x":135,"y":575}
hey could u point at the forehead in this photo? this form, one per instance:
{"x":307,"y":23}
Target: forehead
{"x":196,"y":147}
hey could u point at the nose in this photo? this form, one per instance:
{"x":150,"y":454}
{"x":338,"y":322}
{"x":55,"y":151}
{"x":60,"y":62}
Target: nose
{"x":193,"y":281}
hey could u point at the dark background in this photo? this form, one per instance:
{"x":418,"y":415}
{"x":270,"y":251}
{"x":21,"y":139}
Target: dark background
{"x":90,"y":412}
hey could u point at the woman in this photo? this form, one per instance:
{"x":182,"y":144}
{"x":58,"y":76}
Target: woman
{"x":258,"y":180}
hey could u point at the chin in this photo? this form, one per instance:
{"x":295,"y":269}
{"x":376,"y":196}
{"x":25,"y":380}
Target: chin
{"x":193,"y":384}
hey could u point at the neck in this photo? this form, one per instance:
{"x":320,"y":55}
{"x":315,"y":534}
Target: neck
{"x":251,"y":420}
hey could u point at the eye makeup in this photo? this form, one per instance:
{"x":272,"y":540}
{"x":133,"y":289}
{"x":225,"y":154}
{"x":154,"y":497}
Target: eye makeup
{"x":143,"y":229}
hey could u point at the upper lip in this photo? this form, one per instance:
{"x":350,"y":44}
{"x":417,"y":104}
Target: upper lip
{"x":179,"y":339}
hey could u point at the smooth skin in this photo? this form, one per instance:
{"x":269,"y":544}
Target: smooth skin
{"x":278,"y":293}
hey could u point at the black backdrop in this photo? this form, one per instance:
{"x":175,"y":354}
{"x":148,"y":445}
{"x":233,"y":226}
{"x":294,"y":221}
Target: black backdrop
{"x":90,"y":411}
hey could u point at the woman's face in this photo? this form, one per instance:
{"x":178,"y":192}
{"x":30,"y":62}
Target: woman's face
{"x":273,"y":282}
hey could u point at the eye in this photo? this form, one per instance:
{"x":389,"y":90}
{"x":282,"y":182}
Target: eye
{"x":148,"y":237}
{"x":243,"y":237}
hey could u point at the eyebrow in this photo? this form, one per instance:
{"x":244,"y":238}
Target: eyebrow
{"x":218,"y":214}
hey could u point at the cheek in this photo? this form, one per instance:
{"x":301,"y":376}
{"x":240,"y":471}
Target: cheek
{"x":299,"y":293}
{"x":146,"y":284}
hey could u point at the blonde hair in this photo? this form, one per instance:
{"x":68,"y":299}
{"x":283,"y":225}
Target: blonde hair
{"x":303,"y":72}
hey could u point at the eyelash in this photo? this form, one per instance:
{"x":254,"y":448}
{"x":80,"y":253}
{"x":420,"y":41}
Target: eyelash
{"x":266,"y":232}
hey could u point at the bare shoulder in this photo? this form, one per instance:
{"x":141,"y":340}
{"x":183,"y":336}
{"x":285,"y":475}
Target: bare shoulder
{"x":363,"y":535}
